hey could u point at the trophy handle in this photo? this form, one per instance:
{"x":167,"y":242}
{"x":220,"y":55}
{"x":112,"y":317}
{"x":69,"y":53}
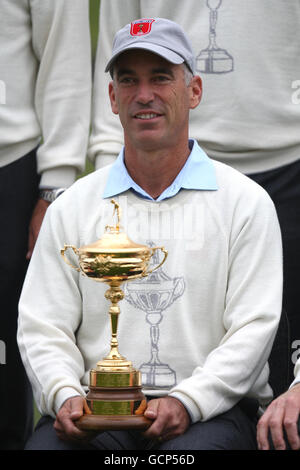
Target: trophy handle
{"x":62,"y":252}
{"x":160,"y":264}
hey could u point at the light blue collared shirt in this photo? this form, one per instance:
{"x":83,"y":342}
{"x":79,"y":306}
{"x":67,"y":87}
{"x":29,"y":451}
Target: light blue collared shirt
{"x":198,"y":173}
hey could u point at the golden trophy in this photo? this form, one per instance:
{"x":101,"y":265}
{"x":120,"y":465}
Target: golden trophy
{"x":115,"y":399}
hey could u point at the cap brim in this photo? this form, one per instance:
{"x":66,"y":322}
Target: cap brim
{"x":167,"y":54}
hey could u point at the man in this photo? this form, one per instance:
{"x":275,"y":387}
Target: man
{"x":249,"y":116}
{"x":44,"y":115}
{"x":217,"y":299}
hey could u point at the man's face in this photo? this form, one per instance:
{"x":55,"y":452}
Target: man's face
{"x":152,"y":99}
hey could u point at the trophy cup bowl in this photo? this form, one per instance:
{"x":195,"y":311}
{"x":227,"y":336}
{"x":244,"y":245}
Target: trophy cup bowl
{"x":115,"y":398}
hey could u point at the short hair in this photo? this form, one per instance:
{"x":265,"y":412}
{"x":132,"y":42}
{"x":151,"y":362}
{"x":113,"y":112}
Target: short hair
{"x":188,"y":74}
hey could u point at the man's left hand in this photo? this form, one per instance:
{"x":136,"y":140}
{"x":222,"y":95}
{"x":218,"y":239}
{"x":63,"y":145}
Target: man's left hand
{"x":35,"y":224}
{"x":281,"y":415}
{"x":170,"y":418}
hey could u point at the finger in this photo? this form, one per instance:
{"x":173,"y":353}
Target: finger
{"x":166,"y":437}
{"x":262,"y":434}
{"x":65,"y":421}
{"x":154,"y":431}
{"x":161,"y":427}
{"x":276,"y":428}
{"x":65,"y":425}
{"x":60,"y":432}
{"x":67,"y":430}
{"x":86,"y":408}
{"x":292,"y":435}
{"x":151,"y":411}
{"x":263,"y":426}
{"x":84,"y":437}
{"x":77,"y":407}
{"x":291,"y":427}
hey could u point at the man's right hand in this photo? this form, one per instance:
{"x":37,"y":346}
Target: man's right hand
{"x":71,"y":410}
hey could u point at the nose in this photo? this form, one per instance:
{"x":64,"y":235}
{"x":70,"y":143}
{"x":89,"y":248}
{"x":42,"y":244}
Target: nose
{"x":144,"y":93}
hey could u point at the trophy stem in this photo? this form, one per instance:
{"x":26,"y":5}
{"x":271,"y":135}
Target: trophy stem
{"x":114,"y":358}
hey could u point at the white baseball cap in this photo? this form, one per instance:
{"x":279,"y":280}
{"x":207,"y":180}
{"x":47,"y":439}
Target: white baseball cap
{"x":157,"y":35}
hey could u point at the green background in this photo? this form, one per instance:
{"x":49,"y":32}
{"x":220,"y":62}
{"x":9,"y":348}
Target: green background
{"x":94,"y":16}
{"x":94,"y":20}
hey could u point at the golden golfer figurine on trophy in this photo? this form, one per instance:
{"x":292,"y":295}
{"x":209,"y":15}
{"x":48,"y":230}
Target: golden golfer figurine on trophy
{"x":115,"y":398}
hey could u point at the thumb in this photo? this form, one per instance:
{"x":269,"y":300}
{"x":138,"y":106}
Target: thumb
{"x":77,"y":407}
{"x":152,"y":409}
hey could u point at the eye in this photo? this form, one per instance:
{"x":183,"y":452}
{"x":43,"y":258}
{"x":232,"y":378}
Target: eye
{"x":161,"y":78}
{"x":127,"y":80}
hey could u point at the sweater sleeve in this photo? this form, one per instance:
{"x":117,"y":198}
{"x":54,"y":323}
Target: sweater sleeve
{"x":61,"y":43}
{"x":50,"y":312}
{"x":296,"y":374}
{"x":107,"y":134}
{"x":252,"y":308}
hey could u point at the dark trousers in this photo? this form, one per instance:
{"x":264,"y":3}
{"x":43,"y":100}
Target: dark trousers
{"x":283,"y":186}
{"x":18,"y":195}
{"x":233,"y":430}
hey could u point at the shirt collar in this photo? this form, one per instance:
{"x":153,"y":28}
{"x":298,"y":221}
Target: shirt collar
{"x":198,"y":173}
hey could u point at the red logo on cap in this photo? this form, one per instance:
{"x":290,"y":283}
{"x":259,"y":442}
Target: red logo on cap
{"x":141,"y":27}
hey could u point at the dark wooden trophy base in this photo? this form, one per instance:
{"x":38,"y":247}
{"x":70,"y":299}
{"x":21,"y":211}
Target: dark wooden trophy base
{"x":112,"y":423}
{"x":115,"y":409}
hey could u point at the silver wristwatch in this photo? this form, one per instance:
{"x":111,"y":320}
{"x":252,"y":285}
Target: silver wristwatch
{"x":50,"y":195}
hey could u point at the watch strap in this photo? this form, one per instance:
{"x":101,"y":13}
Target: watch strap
{"x":50,"y":195}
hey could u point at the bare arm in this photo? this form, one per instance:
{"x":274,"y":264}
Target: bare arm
{"x":35,"y":224}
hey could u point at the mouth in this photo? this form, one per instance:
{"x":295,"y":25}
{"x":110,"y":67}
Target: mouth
{"x":147,"y":116}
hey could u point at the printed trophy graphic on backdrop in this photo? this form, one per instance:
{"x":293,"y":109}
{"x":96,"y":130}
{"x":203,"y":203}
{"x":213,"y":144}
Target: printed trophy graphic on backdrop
{"x":213,"y":59}
{"x":154,"y":295}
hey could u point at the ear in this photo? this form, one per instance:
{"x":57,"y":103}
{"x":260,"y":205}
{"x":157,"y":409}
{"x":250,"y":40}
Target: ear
{"x":195,"y":88}
{"x":112,"y":97}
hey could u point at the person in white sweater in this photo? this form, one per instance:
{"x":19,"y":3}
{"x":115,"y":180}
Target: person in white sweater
{"x":217,"y":298}
{"x":45,"y":95}
{"x":247,"y":54}
{"x":249,"y":117}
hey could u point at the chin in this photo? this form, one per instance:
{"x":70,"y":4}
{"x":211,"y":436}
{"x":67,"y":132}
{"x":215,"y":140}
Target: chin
{"x":149,"y":144}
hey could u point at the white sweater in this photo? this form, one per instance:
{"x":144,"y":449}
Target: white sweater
{"x":216,"y":300}
{"x":45,"y":85}
{"x":249,"y":116}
